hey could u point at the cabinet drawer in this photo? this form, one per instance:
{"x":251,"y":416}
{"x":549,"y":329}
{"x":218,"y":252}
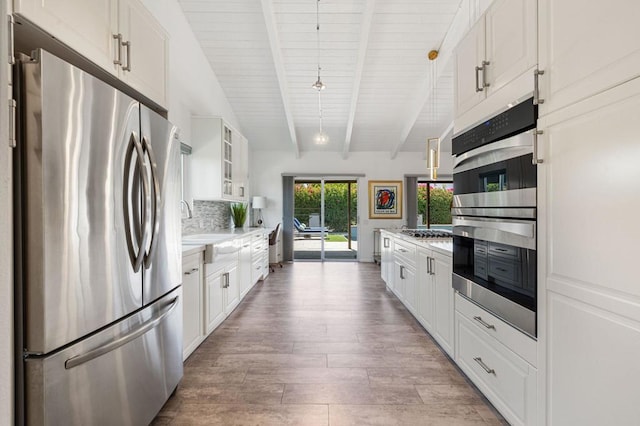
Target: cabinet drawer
{"x":405,"y":251}
{"x":507,"y":380}
{"x":494,"y":327}
{"x":256,"y":271}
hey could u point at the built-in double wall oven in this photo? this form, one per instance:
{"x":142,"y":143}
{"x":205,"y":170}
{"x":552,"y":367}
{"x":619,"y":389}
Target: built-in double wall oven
{"x":494,"y":215}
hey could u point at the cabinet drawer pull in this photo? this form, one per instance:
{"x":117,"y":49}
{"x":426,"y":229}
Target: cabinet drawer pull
{"x":484,"y":74}
{"x":536,"y":87}
{"x":483,"y":322}
{"x":118,"y":52}
{"x":127,"y":44}
{"x":403,"y":250}
{"x":484,"y":366}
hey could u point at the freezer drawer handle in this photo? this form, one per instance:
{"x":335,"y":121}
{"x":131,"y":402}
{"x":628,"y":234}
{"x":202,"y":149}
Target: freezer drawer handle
{"x":120,"y":341}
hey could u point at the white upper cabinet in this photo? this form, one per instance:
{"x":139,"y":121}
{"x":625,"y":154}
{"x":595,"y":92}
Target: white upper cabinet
{"x":217,"y":147}
{"x":85,"y":26}
{"x":240,"y":167}
{"x":494,"y":62}
{"x":469,"y":55}
{"x":511,"y":41}
{"x":120,"y":36}
{"x":586,"y":48}
{"x":144,"y":52}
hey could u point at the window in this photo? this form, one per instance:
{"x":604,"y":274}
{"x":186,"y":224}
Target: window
{"x":434,"y":204}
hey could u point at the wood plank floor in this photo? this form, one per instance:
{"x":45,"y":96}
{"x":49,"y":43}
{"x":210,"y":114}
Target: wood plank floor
{"x":320,"y":344}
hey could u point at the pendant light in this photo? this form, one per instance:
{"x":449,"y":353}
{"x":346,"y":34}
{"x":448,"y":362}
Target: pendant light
{"x":433,"y":144}
{"x":320,"y":138}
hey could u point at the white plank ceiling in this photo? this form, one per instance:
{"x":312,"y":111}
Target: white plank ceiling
{"x":380,"y":93}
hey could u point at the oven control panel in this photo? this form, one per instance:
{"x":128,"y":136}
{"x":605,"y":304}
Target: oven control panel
{"x":517,"y":119}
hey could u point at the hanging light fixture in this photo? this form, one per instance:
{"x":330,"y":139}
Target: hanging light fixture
{"x":320,"y":138}
{"x":433,"y":144}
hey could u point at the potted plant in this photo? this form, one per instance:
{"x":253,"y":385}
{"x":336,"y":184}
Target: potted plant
{"x":238,"y":214}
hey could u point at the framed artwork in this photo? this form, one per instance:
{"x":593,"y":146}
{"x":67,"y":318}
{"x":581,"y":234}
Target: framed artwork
{"x":385,"y":199}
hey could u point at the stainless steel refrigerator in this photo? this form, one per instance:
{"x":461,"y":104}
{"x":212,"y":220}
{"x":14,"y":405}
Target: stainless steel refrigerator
{"x":98,"y":272}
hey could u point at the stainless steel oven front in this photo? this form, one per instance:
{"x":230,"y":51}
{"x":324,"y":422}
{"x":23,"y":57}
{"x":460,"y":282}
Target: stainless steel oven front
{"x":494,"y":216}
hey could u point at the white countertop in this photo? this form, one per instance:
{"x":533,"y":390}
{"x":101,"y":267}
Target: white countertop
{"x":195,"y":243}
{"x":441,"y":245}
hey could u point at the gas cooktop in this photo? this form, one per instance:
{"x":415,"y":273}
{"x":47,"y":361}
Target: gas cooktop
{"x":428,"y":233}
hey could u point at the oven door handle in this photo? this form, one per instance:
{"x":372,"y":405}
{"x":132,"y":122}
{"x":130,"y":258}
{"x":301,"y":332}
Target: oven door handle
{"x":515,"y":233}
{"x":513,"y":147}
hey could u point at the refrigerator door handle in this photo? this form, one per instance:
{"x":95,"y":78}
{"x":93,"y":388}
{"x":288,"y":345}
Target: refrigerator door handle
{"x":134,"y":145}
{"x":155,"y":200}
{"x":121,"y":341}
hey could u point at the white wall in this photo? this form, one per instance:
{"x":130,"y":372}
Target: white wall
{"x":6,"y":244}
{"x":266,"y":179}
{"x":193,"y":87}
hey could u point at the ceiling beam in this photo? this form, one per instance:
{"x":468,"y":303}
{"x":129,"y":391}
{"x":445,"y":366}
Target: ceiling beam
{"x":459,"y":25}
{"x":278,"y":62}
{"x":365,"y":30}
{"x":446,"y":132}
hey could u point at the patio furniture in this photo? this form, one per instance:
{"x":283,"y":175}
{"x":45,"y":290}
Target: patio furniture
{"x":306,"y":231}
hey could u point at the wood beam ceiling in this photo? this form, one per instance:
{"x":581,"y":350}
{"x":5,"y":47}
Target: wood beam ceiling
{"x":274,"y":41}
{"x":365,"y":30}
{"x":459,"y":26}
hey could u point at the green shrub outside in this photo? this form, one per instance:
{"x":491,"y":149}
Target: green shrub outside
{"x":440,"y":208}
{"x":307,"y":201}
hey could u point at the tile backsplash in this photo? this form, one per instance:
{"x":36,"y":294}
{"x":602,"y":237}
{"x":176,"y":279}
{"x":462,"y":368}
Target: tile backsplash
{"x":208,"y":216}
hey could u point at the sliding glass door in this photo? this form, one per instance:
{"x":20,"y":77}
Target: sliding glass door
{"x":325,"y":219}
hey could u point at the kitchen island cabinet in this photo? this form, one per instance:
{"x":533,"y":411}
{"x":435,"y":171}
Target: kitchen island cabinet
{"x":421,"y":279}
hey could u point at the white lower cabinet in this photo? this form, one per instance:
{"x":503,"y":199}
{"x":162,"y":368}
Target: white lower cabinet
{"x":588,"y":303}
{"x":386,"y":257}
{"x":259,"y":257}
{"x":507,"y":380}
{"x":212,"y":290}
{"x":425,"y":290}
{"x":244,"y":267}
{"x":214,"y":303}
{"x":441,"y":269}
{"x":192,"y":327}
{"x":222,"y":292}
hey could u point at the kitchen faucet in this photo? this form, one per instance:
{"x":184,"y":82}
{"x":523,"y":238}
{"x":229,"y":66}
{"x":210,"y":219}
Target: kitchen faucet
{"x":189,"y":212}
